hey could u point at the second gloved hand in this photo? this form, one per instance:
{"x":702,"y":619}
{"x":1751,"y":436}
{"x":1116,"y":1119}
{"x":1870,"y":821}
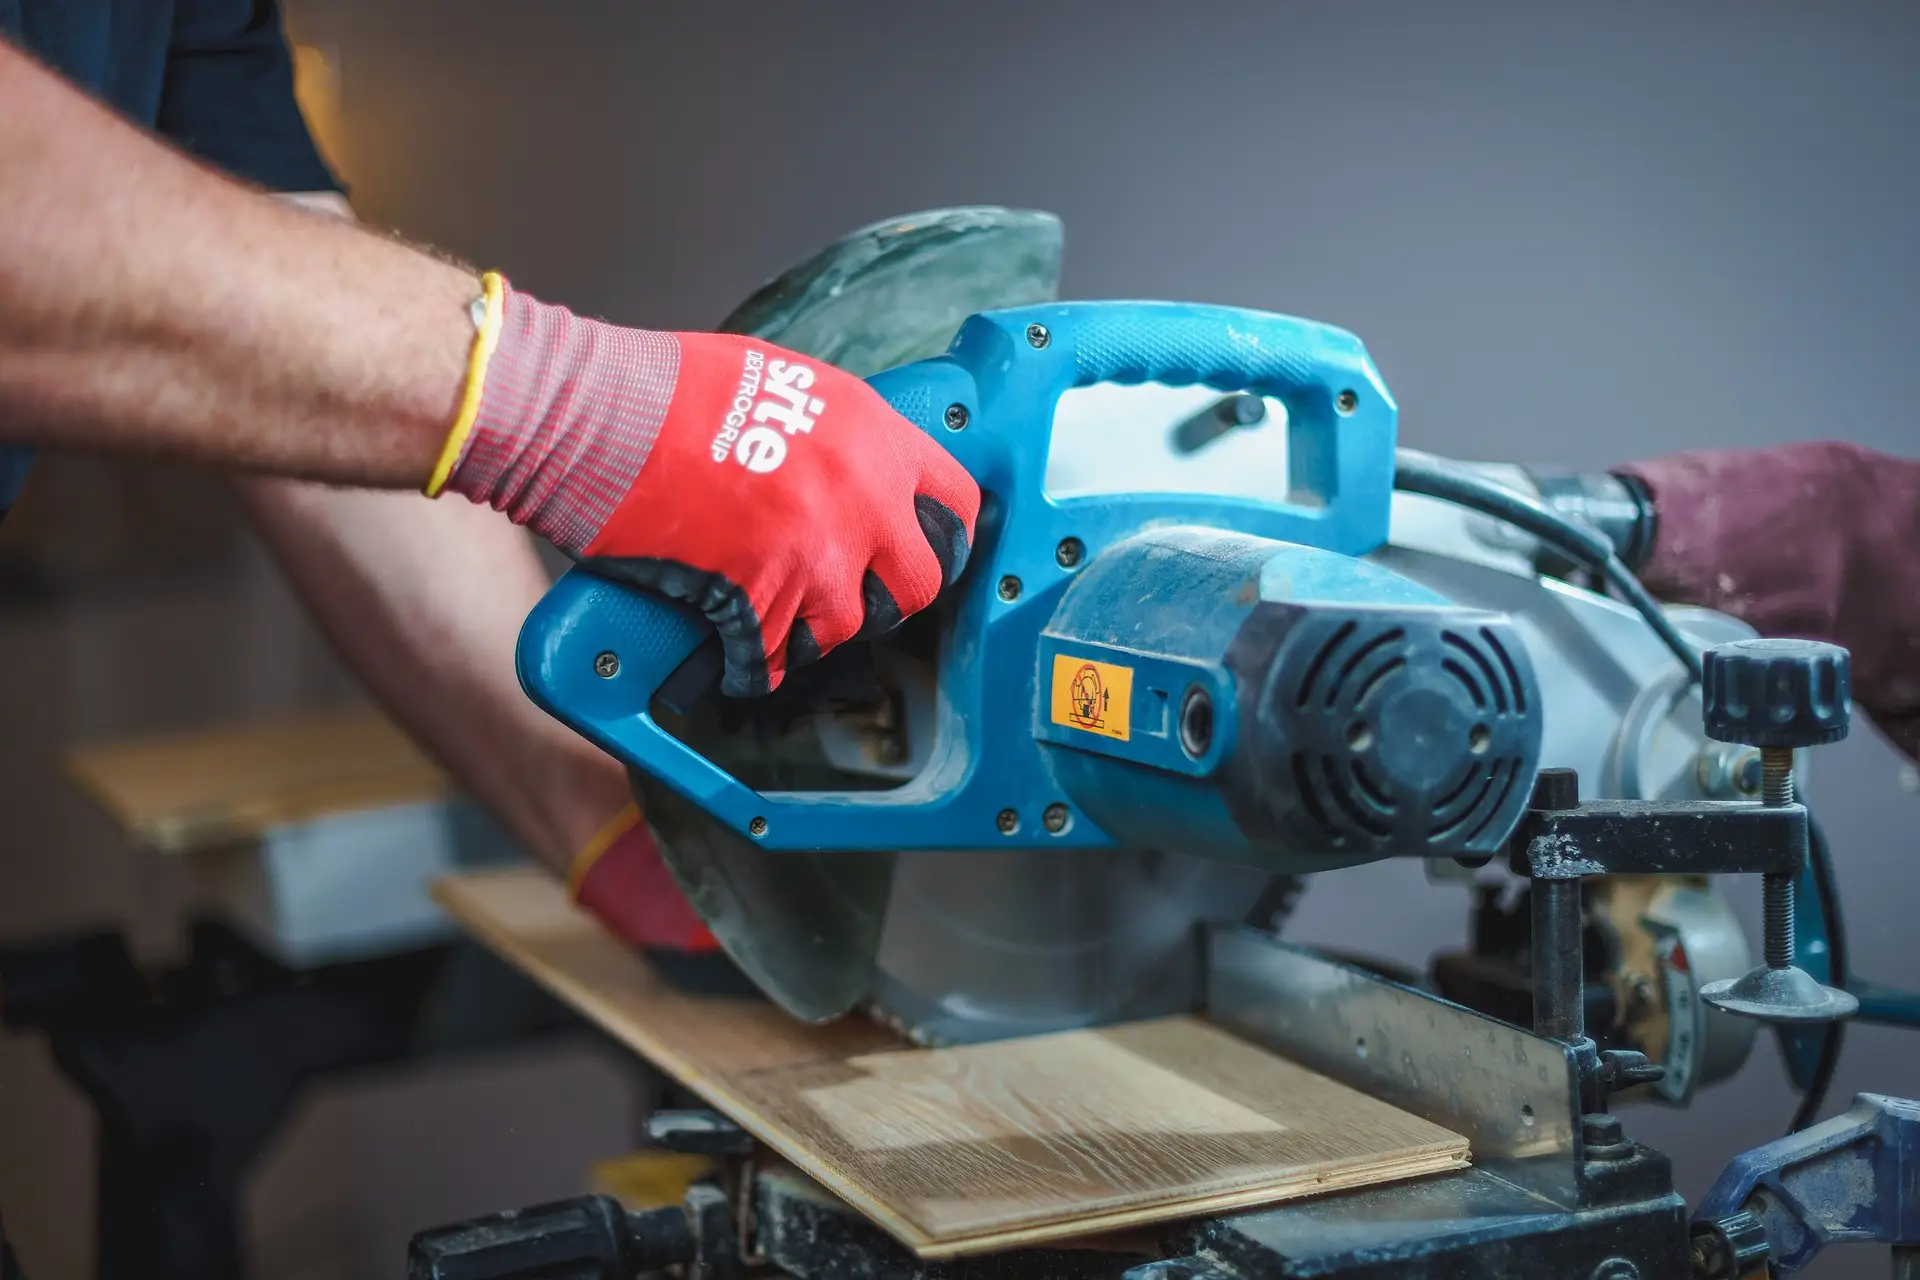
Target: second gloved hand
{"x":621,"y":879}
{"x":781,"y":496}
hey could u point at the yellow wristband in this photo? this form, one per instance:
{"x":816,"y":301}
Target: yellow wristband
{"x":485,"y":339}
{"x":603,"y":839}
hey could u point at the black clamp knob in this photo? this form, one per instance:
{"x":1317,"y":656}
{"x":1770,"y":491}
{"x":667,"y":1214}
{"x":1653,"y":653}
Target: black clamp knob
{"x":590,"y":1237}
{"x":698,"y":1133}
{"x":1729,"y":1248}
{"x":1777,"y":693}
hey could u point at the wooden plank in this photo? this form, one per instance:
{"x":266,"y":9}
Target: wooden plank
{"x":993,"y":1146}
{"x":987,"y":1147}
{"x":188,"y":791}
{"x":522,"y":914}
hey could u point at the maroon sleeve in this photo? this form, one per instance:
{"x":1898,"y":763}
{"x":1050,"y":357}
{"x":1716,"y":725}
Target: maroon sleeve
{"x":1817,"y":541}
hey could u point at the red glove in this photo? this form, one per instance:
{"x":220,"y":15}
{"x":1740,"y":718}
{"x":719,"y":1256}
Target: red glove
{"x":620,"y":879}
{"x":780,"y":495}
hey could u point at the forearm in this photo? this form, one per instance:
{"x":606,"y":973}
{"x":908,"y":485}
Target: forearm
{"x":148,"y":305}
{"x":1811,"y":540}
{"x":424,"y":600}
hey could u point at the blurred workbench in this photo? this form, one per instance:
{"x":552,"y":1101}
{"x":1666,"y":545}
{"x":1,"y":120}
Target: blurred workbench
{"x":318,"y":834}
{"x":313,"y":948}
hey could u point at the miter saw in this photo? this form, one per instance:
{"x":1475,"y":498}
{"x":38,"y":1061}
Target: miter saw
{"x":1045,"y":930}
{"x":1219,"y":633}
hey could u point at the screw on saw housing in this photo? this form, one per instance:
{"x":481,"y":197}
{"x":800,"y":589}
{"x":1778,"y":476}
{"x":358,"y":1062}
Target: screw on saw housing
{"x":1777,"y":695}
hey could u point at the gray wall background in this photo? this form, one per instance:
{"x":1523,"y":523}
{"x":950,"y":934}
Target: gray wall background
{"x":1569,"y":232}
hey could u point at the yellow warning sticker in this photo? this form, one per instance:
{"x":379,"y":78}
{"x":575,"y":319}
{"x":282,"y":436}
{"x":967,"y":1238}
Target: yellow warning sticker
{"x":1096,"y":697}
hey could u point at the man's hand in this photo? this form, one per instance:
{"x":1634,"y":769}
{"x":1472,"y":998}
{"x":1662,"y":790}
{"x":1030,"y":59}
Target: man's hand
{"x":781,"y":496}
{"x":1810,"y":540}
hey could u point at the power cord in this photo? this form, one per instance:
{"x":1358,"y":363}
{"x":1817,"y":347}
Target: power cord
{"x":1429,"y":476}
{"x":1432,"y":477}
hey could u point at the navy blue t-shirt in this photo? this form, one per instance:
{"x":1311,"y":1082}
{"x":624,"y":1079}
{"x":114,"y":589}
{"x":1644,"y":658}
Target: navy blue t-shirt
{"x":214,"y":76}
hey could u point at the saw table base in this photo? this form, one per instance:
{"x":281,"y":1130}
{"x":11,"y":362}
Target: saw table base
{"x":988,"y":1147}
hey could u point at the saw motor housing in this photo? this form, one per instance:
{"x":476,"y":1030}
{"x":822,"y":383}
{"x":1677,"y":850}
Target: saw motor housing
{"x":1221,"y":675}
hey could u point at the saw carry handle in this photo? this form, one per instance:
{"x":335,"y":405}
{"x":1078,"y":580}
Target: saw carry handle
{"x":596,"y":653}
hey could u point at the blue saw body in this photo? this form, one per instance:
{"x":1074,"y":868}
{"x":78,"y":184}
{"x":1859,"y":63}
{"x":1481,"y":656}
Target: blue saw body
{"x":1217,"y":674}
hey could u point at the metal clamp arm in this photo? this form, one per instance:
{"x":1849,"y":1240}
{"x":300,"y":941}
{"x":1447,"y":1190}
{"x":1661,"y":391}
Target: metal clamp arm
{"x":1855,"y":1177}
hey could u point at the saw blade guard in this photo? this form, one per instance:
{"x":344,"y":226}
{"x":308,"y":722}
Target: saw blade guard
{"x":596,"y":653}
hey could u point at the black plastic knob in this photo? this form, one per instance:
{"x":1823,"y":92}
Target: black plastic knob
{"x":698,"y":1133}
{"x":1777,"y":693}
{"x":587,"y":1237}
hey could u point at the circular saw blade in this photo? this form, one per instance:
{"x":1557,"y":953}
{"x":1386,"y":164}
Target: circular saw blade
{"x":897,"y":291}
{"x":992,"y":944}
{"x":948,"y":947}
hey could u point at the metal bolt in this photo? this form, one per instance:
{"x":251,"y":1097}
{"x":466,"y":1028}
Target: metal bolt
{"x":758,"y":826}
{"x":1055,"y":818}
{"x":1346,"y":402}
{"x":1068,"y":553}
{"x":1601,"y":1131}
{"x":1776,"y":892}
{"x":1008,"y":821}
{"x":1009,"y":588}
{"x":1728,"y":771}
{"x":1038,"y":337}
{"x":607,"y":665}
{"x":1776,"y":776}
{"x":1776,"y":888}
{"x":957,"y":417}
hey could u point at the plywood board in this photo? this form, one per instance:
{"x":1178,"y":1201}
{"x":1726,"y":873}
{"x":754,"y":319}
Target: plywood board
{"x":986,"y":1147}
{"x":523,"y":915}
{"x":188,"y":791}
